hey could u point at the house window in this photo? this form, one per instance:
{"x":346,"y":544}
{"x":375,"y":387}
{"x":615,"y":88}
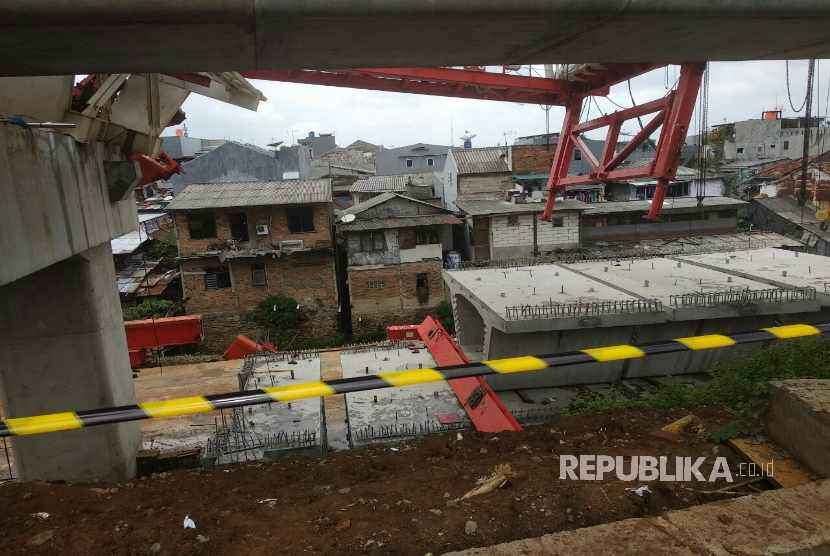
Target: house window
{"x":258,"y":277}
{"x":409,"y":163}
{"x":422,"y":287}
{"x":217,"y":279}
{"x":376,"y":284}
{"x":513,"y":220}
{"x":201,"y":225}
{"x":786,"y":145}
{"x":373,"y":241}
{"x":430,"y":162}
{"x":558,"y":222}
{"x":239,"y":226}
{"x":740,"y":150}
{"x":577,"y":154}
{"x":772,"y":146}
{"x":426,"y":236}
{"x":300,"y":219}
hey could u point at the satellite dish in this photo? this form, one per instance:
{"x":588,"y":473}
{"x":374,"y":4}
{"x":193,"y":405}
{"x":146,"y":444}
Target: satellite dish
{"x":347,"y":218}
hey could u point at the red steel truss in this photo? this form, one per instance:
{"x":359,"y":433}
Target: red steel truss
{"x":673,"y":112}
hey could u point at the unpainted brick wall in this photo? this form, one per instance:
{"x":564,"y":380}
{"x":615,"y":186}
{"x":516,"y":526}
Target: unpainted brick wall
{"x":533,"y":159}
{"x":275,"y":217}
{"x":307,"y":277}
{"x":397,"y":302}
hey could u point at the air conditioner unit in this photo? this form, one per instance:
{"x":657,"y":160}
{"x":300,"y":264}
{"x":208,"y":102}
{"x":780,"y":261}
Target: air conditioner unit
{"x":262,"y":229}
{"x":291,"y":245}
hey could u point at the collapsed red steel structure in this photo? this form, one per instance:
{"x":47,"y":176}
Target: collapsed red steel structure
{"x":673,"y":112}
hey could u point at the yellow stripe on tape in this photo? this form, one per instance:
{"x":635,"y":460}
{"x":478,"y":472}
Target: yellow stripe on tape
{"x":299,"y":391}
{"x":793,"y":331}
{"x":176,"y":407}
{"x":614,"y":353}
{"x":411,"y":376}
{"x":516,"y":364}
{"x":709,"y":341}
{"x":44,"y":423}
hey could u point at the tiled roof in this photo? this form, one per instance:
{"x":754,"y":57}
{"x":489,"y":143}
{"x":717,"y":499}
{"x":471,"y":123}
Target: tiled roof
{"x":481,"y":161}
{"x":383,"y":184}
{"x":677,"y":203}
{"x":251,"y":193}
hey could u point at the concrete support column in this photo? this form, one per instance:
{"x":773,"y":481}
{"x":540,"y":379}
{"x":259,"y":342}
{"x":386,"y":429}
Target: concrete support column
{"x":63,"y":347}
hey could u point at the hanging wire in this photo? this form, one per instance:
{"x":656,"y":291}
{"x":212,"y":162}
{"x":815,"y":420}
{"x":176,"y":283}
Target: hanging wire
{"x":789,"y":94}
{"x":703,"y":129}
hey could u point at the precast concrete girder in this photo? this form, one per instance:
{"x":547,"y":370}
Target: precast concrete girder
{"x":53,"y":37}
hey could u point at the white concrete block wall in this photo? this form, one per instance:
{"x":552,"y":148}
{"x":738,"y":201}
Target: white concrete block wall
{"x":567,"y":235}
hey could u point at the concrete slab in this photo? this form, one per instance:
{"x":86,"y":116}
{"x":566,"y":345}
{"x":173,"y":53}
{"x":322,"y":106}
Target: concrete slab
{"x":775,"y":267}
{"x":415,"y":406}
{"x":668,"y":280}
{"x":799,"y":420}
{"x":793,"y":521}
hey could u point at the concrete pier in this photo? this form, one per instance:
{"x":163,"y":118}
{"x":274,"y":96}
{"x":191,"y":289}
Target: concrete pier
{"x":63,"y":346}
{"x":557,"y":307}
{"x":62,"y":341}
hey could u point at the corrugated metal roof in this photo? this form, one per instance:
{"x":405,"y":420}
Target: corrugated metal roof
{"x":251,"y":193}
{"x":400,"y":222}
{"x":677,"y":203}
{"x":481,"y":161}
{"x":480,"y":207}
{"x":395,"y":184}
{"x":127,"y":243}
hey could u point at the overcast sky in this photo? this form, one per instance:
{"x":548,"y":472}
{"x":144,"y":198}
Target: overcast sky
{"x":738,"y":90}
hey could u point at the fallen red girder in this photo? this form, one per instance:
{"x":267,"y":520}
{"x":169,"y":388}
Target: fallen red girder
{"x":481,"y":403}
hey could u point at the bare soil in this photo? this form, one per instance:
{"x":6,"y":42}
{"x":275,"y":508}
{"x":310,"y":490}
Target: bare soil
{"x":387,"y":499}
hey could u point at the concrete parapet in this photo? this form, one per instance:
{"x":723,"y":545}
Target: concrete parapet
{"x":799,"y":420}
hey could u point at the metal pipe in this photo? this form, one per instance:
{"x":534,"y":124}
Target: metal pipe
{"x":70,"y":420}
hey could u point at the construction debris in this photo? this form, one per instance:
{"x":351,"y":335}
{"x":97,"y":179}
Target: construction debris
{"x":500,"y":477}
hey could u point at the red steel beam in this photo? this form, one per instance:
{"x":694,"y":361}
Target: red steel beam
{"x":432,"y":81}
{"x":483,"y":406}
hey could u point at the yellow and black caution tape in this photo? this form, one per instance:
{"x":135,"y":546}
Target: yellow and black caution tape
{"x":70,"y":420}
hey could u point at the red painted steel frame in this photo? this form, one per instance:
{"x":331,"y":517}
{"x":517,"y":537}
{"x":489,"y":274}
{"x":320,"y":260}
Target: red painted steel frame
{"x":673,"y":112}
{"x":463,"y":83}
{"x":490,"y":415}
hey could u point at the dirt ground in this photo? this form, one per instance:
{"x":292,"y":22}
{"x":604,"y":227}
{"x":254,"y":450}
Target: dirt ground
{"x":388,"y":499}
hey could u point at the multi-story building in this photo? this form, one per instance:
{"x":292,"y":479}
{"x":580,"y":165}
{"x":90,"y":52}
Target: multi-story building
{"x":395,"y":247}
{"x":411,"y":159}
{"x":772,"y":137}
{"x":241,"y":242}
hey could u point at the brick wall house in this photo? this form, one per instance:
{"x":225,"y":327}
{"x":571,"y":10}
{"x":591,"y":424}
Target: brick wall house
{"x":507,"y":230}
{"x":395,"y":247}
{"x":244,"y":241}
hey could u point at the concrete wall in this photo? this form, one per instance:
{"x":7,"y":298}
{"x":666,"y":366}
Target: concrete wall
{"x":55,"y":200}
{"x":716,"y":223}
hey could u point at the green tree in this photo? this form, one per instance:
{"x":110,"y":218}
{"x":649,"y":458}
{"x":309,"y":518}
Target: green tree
{"x":149,"y":309}
{"x":279,"y":315}
{"x":444,"y":314}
